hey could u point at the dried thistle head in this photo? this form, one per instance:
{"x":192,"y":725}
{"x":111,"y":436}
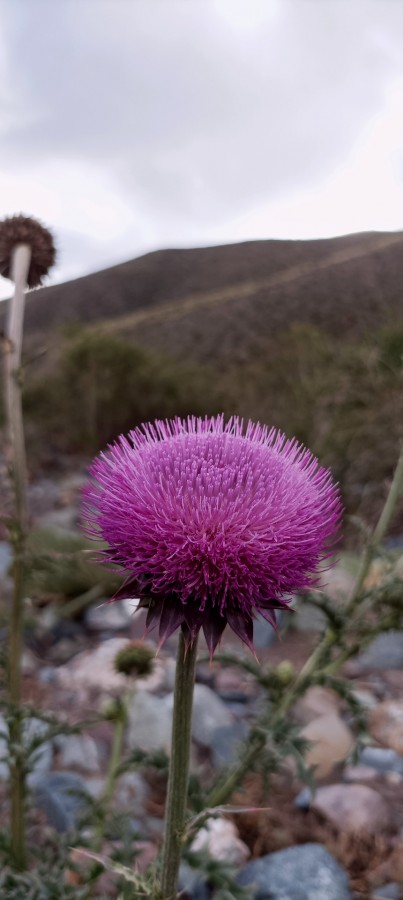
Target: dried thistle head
{"x":135,"y":659}
{"x":16,"y":230}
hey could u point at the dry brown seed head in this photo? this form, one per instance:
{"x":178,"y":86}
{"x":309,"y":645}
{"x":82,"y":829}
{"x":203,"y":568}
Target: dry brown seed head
{"x":20,"y":229}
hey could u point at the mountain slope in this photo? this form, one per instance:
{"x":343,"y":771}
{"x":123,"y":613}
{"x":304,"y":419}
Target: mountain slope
{"x":305,"y":335}
{"x":198,"y":301}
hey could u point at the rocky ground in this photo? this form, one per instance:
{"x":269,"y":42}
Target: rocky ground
{"x":345,"y":840}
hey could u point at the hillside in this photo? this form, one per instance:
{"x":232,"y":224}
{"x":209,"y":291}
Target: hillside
{"x":305,"y":335}
{"x":189,"y":300}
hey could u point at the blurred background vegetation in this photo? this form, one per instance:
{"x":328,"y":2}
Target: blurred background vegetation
{"x":344,"y":399}
{"x":303,"y":335}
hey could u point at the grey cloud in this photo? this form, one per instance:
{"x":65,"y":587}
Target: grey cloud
{"x":198,"y":119}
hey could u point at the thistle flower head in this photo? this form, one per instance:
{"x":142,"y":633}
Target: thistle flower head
{"x":212,"y":521}
{"x":16,"y":230}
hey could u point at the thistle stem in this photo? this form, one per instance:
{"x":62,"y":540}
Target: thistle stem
{"x":320,"y":658}
{"x":17,"y":465}
{"x":179,"y":768}
{"x":112,"y":771}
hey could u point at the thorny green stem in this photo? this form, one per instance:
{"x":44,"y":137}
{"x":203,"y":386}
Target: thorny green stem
{"x":222,"y":792}
{"x":15,"y":453}
{"x":179,"y":768}
{"x":320,"y":657}
{"x":379,"y":533}
{"x":321,"y":652}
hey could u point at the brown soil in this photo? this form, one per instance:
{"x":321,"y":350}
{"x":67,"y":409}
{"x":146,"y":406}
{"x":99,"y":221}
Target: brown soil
{"x":281,"y":825}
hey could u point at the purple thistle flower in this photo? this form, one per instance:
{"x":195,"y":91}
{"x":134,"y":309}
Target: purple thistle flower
{"x":213,"y":522}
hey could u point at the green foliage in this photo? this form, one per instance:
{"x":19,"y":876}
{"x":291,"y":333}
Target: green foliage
{"x":273,"y":736}
{"x":63,"y":565}
{"x":391,"y":348}
{"x":342,"y":398}
{"x":157,"y":759}
{"x":44,"y":883}
{"x":219,"y":876}
{"x":103,"y":386}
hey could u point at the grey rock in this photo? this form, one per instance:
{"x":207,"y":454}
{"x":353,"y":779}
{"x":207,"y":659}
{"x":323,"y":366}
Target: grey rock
{"x":29,"y":663}
{"x":354,"y":808}
{"x":264,"y":634}
{"x":136,"y":827}
{"x":330,"y":742}
{"x":303,"y":800}
{"x":149,"y":722}
{"x":48,"y":675}
{"x":66,"y":629}
{"x":308,"y":618}
{"x":233,"y":697}
{"x":43,"y":495}
{"x":305,"y":872}
{"x":390,"y":891}
{"x":220,"y":839}
{"x":225,"y":743}
{"x":385,"y":652}
{"x":63,"y":520}
{"x":192,"y":884}
{"x":131,"y":793}
{"x":394,"y":542}
{"x":108,"y":617}
{"x":42,"y":757}
{"x":78,"y":751}
{"x":5,"y":558}
{"x":209,"y":713}
{"x":382,"y":759}
{"x":95,"y":786}
{"x":65,"y":650}
{"x":94,"y":669}
{"x":337,"y":583}
{"x":61,"y":796}
{"x":360,"y":773}
{"x":154,"y":827}
{"x":365,"y":698}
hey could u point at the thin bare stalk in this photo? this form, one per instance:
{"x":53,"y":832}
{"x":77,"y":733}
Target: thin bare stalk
{"x":113,"y":767}
{"x":179,"y":768}
{"x":18,"y":472}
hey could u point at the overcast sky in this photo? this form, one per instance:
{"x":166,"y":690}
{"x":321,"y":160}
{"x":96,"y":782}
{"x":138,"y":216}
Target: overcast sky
{"x":130,"y":125}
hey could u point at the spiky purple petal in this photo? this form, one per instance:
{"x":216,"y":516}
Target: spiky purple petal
{"x":212,"y":520}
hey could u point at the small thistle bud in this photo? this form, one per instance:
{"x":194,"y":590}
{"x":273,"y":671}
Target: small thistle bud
{"x":285,"y":672}
{"x":135,"y":659}
{"x":15,"y":230}
{"x":114,"y":710}
{"x":111,"y":710}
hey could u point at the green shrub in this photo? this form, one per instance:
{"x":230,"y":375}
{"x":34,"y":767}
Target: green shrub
{"x":391,"y":348}
{"x":103,"y":386}
{"x":59,"y":565}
